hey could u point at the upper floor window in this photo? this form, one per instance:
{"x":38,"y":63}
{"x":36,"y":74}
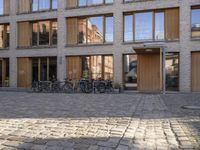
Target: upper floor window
{"x":152,"y":25}
{"x":41,"y":33}
{"x":195,"y":22}
{"x":84,"y":3}
{"x":90,"y":30}
{"x":4,"y":7}
{"x":25,"y":6}
{"x":4,"y":35}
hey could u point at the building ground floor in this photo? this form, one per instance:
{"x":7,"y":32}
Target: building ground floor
{"x":148,"y":70}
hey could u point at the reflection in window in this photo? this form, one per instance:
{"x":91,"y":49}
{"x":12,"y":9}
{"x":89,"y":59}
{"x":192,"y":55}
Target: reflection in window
{"x":86,"y":67}
{"x":172,"y":71}
{"x":95,"y":30}
{"x":82,"y":25}
{"x":44,"y":33}
{"x":54,"y":33}
{"x":109,"y":29}
{"x":130,"y":71}
{"x":35,"y":5}
{"x":34,"y":34}
{"x":143,"y":26}
{"x":128,"y":28}
{"x":54,"y":4}
{"x":96,"y":67}
{"x":159,"y":26}
{"x":1,"y":7}
{"x":108,"y":67}
{"x":4,"y":36}
{"x":52,"y":68}
{"x":4,"y":72}
{"x":196,"y":22}
{"x":93,"y":2}
{"x":44,"y":4}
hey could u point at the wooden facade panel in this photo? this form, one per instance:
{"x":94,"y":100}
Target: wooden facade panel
{"x":24,"y":72}
{"x":195,"y":71}
{"x":71,"y":3}
{"x":172,"y":23}
{"x":23,"y":6}
{"x":149,"y":72}
{"x":23,"y":34}
{"x":73,"y":67}
{"x":72,"y":31}
{"x":6,"y":7}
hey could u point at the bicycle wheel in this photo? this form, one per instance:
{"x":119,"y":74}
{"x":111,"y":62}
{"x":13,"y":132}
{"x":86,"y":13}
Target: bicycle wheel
{"x":101,"y":87}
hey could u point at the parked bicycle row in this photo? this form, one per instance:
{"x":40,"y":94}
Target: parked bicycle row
{"x":73,"y":86}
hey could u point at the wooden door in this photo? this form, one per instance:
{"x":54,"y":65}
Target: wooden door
{"x":24,"y":72}
{"x":196,"y":71}
{"x":73,"y":67}
{"x":149,"y":76}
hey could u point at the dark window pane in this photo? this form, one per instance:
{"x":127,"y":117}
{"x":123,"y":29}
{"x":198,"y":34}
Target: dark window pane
{"x":43,"y":69}
{"x":44,"y":33}
{"x":95,"y":30}
{"x":54,"y":4}
{"x":52,"y":68}
{"x":34,"y":34}
{"x":54,"y":33}
{"x":128,"y":28}
{"x":82,"y":25}
{"x":143,"y":26}
{"x":109,"y":29}
{"x":159,"y":26}
{"x":172,"y":71}
{"x":130,"y":71}
{"x":35,"y":69}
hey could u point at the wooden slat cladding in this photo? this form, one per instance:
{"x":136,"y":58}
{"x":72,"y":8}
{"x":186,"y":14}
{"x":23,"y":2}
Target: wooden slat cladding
{"x":24,"y":72}
{"x":149,"y":72}
{"x":23,"y":34}
{"x":71,"y":3}
{"x":6,"y":7}
{"x":172,"y":24}
{"x":195,"y":71}
{"x":23,"y":6}
{"x":72,"y":31}
{"x":73,"y":67}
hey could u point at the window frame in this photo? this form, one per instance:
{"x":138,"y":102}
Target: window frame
{"x":42,"y":10}
{"x":192,"y":28}
{"x":134,"y":25}
{"x":50,"y":43}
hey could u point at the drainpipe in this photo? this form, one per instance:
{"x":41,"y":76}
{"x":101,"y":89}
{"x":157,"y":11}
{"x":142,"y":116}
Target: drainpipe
{"x":164,"y":49}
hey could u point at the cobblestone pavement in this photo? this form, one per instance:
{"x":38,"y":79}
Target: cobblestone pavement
{"x":32,"y":121}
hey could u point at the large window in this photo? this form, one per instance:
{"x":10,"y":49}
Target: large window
{"x":44,"y":33}
{"x":196,"y":22}
{"x":4,"y":36}
{"x":90,"y":30}
{"x":172,"y":71}
{"x":44,"y":69}
{"x":84,"y":3}
{"x":90,"y":67}
{"x":152,"y":25}
{"x":40,"y":5}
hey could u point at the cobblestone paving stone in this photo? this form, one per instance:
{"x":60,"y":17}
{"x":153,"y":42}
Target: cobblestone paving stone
{"x":31,"y":121}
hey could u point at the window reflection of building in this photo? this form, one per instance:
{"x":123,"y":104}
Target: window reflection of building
{"x":130,"y":71}
{"x":4,"y":36}
{"x":195,"y":22}
{"x":172,"y":71}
